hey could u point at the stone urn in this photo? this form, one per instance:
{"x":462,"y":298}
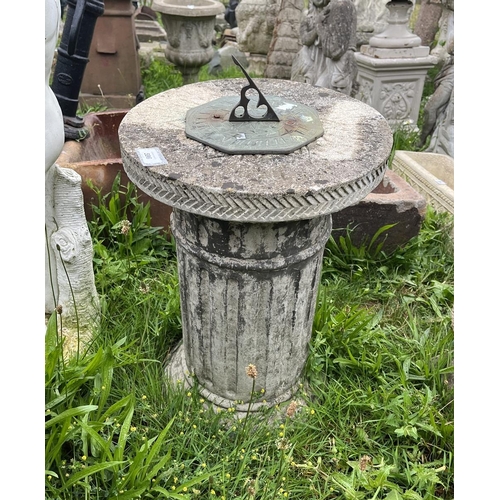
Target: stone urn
{"x":190,"y":29}
{"x":397,"y":33}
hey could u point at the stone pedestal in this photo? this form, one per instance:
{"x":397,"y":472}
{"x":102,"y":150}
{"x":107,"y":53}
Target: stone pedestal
{"x":250,"y":230}
{"x":392,"y":69}
{"x":250,"y":300}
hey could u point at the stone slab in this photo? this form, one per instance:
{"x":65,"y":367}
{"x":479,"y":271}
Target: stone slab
{"x":335,"y":171}
{"x":393,"y":201}
{"x":395,"y":63}
{"x":193,"y":8}
{"x":150,"y":31}
{"x":394,"y":53}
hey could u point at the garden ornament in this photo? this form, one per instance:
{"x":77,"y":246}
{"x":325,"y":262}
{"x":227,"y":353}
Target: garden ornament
{"x":69,"y":276}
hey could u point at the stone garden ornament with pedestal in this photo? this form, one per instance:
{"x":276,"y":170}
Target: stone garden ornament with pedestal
{"x":328,"y":38}
{"x":392,"y":69}
{"x":190,"y":30}
{"x":69,"y":276}
{"x":253,"y":191}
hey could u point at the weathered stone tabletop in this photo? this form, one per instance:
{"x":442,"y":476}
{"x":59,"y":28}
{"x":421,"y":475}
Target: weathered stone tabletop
{"x":250,"y":230}
{"x":335,"y":171}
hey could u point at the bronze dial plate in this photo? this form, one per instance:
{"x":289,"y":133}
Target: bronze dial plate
{"x":298,"y":126}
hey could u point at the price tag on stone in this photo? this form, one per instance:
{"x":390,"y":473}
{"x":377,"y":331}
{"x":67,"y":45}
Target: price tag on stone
{"x":151,"y":157}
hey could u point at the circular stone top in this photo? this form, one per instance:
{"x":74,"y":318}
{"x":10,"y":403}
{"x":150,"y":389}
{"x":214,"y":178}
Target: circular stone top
{"x":333,"y":172}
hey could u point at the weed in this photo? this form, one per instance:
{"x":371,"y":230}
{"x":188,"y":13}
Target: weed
{"x":124,"y":241}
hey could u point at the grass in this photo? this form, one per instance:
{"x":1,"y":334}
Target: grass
{"x":159,"y":76}
{"x":377,"y":415}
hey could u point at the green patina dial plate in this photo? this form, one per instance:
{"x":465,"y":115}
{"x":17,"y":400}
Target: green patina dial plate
{"x":298,"y":126}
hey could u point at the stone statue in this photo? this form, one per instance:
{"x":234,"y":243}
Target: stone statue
{"x":439,"y":118}
{"x":285,"y":40}
{"x":434,"y":25}
{"x":255,"y":19}
{"x":371,"y":19}
{"x":230,"y":13}
{"x":328,"y":38}
{"x":69,"y":276}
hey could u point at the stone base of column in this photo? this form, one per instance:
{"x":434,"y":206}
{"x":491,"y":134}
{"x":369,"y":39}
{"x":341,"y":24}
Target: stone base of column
{"x":394,"y":85}
{"x":177,"y":371}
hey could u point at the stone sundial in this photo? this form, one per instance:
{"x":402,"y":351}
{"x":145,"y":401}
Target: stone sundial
{"x":271,"y":125}
{"x":253,"y":181}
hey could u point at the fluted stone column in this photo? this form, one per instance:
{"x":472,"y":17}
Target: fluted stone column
{"x":250,"y":230}
{"x":248,"y":292}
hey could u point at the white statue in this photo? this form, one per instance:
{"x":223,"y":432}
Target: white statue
{"x":69,"y":275}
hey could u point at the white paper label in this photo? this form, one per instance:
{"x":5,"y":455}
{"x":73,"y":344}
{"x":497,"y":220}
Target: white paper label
{"x":151,"y":156}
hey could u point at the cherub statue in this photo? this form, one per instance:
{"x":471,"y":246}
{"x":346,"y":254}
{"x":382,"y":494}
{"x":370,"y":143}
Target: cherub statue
{"x":328,"y":38}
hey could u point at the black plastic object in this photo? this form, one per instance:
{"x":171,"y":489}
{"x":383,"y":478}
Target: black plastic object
{"x":72,"y":58}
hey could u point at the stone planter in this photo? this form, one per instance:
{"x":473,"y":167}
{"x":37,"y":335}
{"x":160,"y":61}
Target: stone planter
{"x":98,"y":158}
{"x":190,"y":29}
{"x":431,"y":174}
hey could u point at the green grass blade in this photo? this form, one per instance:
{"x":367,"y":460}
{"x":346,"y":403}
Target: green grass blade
{"x":158,"y":443}
{"x":72,"y":412}
{"x":125,"y":428}
{"x":88,"y":471}
{"x":97,"y":442}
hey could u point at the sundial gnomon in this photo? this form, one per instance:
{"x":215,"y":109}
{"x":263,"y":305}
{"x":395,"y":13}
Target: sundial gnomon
{"x":255,"y":124}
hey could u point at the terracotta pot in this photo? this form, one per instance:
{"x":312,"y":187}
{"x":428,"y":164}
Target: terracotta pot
{"x":98,"y":158}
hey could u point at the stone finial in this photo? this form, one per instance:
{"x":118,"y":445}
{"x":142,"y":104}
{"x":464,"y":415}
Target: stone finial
{"x":397,"y":35}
